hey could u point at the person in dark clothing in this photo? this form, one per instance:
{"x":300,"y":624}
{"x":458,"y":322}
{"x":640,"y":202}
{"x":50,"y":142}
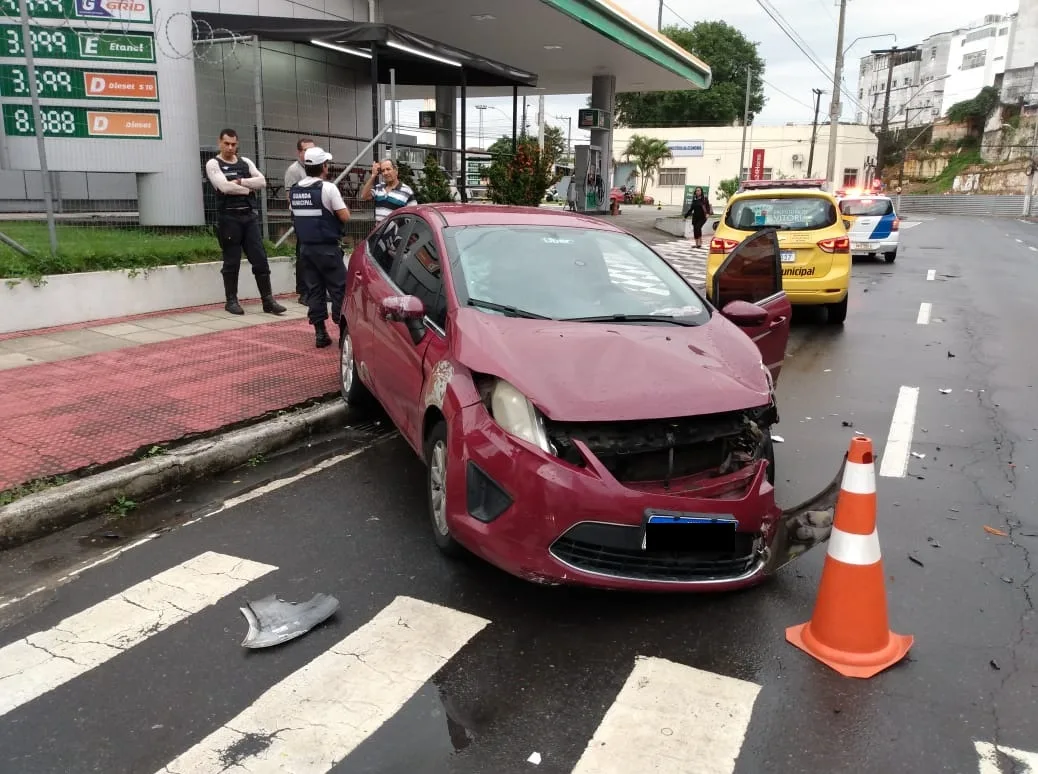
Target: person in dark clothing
{"x":293,"y":175}
{"x":236,"y":181}
{"x":699,"y":209}
{"x":319,"y":213}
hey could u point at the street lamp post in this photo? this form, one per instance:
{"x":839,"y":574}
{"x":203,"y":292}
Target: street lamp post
{"x":481,"y":108}
{"x":569,"y":132}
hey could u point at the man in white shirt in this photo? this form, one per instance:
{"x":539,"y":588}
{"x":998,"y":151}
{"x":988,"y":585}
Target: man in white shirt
{"x":236,"y":181}
{"x":319,"y":212}
{"x":293,"y":175}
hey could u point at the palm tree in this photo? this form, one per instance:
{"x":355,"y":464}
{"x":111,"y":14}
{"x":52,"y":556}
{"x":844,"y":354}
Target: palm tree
{"x":647,"y":153}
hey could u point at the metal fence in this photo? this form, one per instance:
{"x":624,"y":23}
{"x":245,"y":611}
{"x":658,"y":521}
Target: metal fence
{"x":965,"y":204}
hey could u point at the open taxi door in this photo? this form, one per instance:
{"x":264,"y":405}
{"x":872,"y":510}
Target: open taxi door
{"x":751,"y":276}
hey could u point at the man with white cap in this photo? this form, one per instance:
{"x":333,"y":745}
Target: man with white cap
{"x":319,"y":212}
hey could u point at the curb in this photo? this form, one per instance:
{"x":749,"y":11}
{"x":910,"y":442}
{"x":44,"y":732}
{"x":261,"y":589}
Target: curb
{"x":36,"y":515}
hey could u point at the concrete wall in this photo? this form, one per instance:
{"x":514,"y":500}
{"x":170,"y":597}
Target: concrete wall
{"x":721,"y":146}
{"x":924,"y":167}
{"x":966,"y":81}
{"x":1003,"y":179}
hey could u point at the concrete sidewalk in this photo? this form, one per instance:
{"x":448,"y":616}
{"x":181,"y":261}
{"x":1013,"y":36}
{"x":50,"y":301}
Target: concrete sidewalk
{"x":83,"y":398}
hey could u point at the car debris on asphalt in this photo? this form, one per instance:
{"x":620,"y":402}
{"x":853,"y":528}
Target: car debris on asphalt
{"x":273,"y":621}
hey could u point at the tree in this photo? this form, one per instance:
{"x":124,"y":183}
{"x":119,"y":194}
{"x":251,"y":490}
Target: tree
{"x":434,"y":185}
{"x":729,"y":53}
{"x":726,"y":188}
{"x":523,"y":178}
{"x":648,"y":153}
{"x":554,"y":144}
{"x":974,"y":112}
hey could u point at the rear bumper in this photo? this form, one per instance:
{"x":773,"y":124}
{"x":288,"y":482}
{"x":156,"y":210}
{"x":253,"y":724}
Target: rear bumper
{"x":885,"y":245}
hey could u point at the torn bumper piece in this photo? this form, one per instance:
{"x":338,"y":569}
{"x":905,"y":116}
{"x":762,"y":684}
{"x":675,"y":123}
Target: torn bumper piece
{"x":273,"y":621}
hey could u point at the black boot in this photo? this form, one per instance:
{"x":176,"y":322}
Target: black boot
{"x":230,"y":290}
{"x":322,"y":339}
{"x":270,"y":306}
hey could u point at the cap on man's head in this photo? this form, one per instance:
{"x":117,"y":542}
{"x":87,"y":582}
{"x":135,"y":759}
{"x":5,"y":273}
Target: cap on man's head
{"x":315,"y":156}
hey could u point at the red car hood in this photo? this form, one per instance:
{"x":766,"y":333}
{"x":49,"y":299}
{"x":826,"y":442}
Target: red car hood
{"x":592,"y":372}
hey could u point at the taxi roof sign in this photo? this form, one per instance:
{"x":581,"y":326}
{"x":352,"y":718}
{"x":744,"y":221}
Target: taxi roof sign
{"x":761,"y":185}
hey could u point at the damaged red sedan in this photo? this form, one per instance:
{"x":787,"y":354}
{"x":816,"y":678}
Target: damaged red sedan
{"x":585,"y":415}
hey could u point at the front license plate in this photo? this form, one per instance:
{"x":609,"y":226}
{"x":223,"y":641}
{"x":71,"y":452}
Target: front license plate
{"x":863,"y":245}
{"x":705,"y":533}
{"x":789,"y":256}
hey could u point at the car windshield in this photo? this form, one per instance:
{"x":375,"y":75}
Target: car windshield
{"x":866,"y":207}
{"x":568,"y":273}
{"x":796,"y":213}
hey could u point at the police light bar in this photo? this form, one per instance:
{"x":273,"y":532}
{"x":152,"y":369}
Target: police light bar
{"x":758,"y":185}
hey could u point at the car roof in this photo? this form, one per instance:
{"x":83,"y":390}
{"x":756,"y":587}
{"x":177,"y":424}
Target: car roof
{"x":871,"y":197}
{"x":507,"y":215}
{"x":783,"y":193}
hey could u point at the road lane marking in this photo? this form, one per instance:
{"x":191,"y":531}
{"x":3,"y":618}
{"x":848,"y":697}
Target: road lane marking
{"x":923,"y":317}
{"x":674,"y":718}
{"x":931,"y":274}
{"x":227,"y":504}
{"x":1032,"y":248}
{"x":1020,"y":241}
{"x":899,"y":438}
{"x":46,"y":660}
{"x":988,"y":755}
{"x":316,"y":716}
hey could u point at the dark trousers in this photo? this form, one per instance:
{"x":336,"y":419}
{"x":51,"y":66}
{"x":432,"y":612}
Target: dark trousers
{"x":324,"y":272}
{"x":237,"y":233}
{"x":300,"y":274}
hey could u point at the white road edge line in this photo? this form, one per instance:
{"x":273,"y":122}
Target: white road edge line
{"x":1032,"y":248}
{"x":925,"y":309}
{"x":46,"y":660}
{"x":899,"y":439}
{"x":988,"y":758}
{"x":1020,"y":241}
{"x":265,"y":489}
{"x":315,"y":717}
{"x":931,"y":275}
{"x":674,"y":718}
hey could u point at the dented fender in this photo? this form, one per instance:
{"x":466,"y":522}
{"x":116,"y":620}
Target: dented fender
{"x":804,"y":526}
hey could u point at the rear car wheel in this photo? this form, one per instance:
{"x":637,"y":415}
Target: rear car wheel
{"x":890,"y":257}
{"x":837,"y":312}
{"x":353,"y":391}
{"x":436,"y":490}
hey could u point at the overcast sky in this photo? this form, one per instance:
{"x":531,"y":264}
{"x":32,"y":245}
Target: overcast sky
{"x":786,"y":68}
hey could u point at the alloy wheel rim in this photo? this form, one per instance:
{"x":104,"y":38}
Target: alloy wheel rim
{"x":346,"y":365}
{"x":438,"y":487}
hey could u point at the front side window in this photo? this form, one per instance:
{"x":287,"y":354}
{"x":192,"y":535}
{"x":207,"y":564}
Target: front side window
{"x":418,"y":272}
{"x":567,"y":273}
{"x":385,"y":242}
{"x":793,"y":213}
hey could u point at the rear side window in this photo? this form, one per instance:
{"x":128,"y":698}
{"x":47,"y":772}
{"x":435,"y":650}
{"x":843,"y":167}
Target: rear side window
{"x":794,"y":213}
{"x":866,"y":207}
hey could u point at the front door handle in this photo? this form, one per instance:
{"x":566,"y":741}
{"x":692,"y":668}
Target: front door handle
{"x":777,"y":322}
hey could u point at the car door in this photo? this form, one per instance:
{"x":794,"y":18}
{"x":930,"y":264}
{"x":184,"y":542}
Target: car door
{"x":752,"y":272}
{"x":402,"y":345}
{"x":368,"y":281}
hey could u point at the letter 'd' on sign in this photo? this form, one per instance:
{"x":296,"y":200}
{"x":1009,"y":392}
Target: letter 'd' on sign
{"x":97,"y":85}
{"x":100,"y":124}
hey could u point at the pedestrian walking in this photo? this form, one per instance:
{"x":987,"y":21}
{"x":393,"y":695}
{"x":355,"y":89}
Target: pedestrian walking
{"x":386,"y":189}
{"x":293,"y":175}
{"x":319,"y":214}
{"x":699,"y":209}
{"x":236,"y":181}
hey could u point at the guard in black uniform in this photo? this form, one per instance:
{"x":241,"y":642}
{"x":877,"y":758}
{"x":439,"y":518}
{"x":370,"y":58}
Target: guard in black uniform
{"x":236,"y":181}
{"x":319,"y":213}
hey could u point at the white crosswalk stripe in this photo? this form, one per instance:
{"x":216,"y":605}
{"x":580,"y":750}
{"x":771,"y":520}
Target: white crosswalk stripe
{"x":682,"y":254}
{"x":667,"y":716}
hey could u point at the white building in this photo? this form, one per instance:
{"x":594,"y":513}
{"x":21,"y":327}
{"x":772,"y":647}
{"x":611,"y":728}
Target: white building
{"x":705,"y":156}
{"x":1019,"y":81}
{"x":977,"y":59}
{"x":872,"y":83}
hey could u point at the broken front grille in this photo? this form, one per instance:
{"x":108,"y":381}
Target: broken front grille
{"x":668,"y":450}
{"x":614,"y":550}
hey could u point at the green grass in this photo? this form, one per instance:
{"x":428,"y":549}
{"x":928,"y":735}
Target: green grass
{"x":944,"y":181}
{"x":89,"y":248}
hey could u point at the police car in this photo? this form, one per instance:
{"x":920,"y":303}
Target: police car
{"x":872,"y":225}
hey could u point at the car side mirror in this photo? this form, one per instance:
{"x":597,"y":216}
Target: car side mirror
{"x":744,"y":314}
{"x":847,"y":224}
{"x":401,"y":309}
{"x":716,"y":224}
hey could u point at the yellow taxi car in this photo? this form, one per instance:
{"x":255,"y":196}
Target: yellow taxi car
{"x":816,"y":250}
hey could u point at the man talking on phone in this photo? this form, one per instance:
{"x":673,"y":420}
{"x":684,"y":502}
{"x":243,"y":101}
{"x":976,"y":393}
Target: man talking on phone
{"x":388,"y":192}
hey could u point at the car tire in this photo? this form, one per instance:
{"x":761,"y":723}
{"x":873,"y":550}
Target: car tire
{"x":352,"y":390}
{"x":837,"y":313}
{"x":890,"y":257}
{"x":436,"y":457}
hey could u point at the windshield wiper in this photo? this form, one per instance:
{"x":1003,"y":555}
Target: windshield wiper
{"x":635,"y":318}
{"x":510,"y":311}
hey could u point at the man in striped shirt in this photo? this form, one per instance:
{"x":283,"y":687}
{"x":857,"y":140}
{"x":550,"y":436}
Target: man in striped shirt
{"x":385,"y":188}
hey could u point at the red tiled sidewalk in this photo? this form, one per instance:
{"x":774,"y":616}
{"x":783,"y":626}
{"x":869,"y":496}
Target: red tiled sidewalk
{"x":67,"y":415}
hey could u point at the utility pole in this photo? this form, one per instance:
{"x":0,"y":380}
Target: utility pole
{"x":834,"y":106}
{"x":1034,"y":173}
{"x":659,"y":18}
{"x":523,"y":132}
{"x":745,"y":123}
{"x":540,"y":122}
{"x":569,"y":132}
{"x":885,"y":124}
{"x":814,"y":131}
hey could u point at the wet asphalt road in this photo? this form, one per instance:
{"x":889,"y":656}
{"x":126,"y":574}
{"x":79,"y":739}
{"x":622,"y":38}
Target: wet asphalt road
{"x":542,"y":674}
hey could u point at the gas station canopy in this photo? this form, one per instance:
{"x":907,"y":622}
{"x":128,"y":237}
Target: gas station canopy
{"x":565,"y":42}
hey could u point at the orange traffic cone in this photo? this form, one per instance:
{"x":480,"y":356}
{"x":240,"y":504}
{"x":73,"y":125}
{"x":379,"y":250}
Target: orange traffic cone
{"x":849,"y":629}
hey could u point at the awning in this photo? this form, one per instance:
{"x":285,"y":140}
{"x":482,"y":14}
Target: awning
{"x":418,"y":61}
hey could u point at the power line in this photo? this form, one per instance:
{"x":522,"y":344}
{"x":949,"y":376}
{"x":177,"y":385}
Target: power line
{"x":787,"y":96}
